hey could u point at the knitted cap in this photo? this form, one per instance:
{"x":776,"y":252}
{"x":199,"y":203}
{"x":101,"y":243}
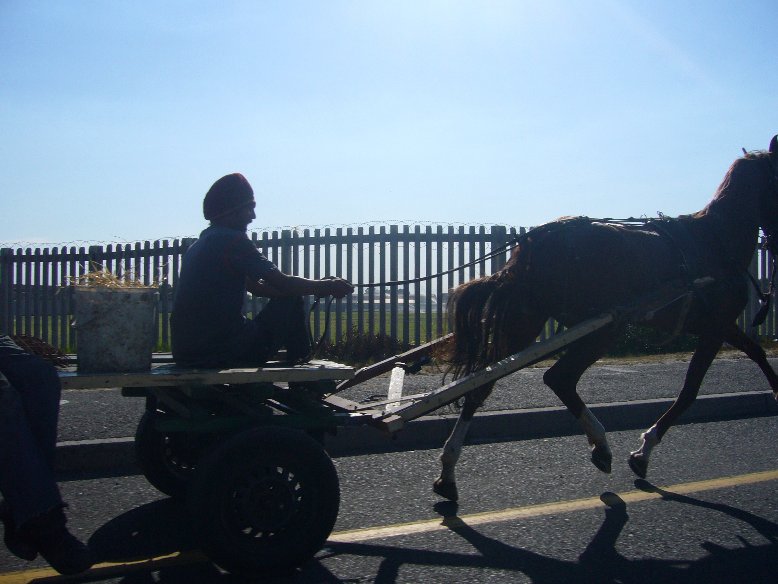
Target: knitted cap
{"x":228,"y":193}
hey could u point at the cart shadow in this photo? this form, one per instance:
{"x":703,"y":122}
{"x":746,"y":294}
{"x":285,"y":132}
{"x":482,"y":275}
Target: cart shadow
{"x":153,"y":544}
{"x":150,"y":543}
{"x":156,"y":529}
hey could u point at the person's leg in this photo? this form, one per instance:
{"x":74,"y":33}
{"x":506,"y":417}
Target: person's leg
{"x":282,"y":324}
{"x":29,"y":406}
{"x":32,"y":511}
{"x":26,"y":480}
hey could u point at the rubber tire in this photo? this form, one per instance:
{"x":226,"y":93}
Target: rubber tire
{"x":167,"y":460}
{"x":248,"y":539}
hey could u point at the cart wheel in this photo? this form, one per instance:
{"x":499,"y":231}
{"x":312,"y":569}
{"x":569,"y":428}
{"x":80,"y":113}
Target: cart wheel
{"x":167,"y":460}
{"x":264,"y":500}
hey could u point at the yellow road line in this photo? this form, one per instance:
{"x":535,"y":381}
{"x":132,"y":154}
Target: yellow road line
{"x":108,"y":569}
{"x":559,"y":507}
{"x":105,"y":569}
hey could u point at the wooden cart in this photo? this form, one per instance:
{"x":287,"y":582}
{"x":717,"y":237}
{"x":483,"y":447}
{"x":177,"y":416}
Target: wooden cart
{"x":246,"y":447}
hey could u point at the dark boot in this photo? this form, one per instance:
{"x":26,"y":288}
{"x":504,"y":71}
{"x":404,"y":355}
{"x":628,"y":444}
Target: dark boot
{"x":48,"y":535}
{"x":19,"y":548}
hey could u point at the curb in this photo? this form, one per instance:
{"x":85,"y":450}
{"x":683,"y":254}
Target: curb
{"x":117,"y":454}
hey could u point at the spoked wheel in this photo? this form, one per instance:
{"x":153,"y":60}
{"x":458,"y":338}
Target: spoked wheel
{"x":264,"y":500}
{"x":167,"y":460}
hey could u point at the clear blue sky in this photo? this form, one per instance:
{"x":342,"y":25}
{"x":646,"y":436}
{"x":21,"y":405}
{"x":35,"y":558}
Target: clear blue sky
{"x":116,"y":116}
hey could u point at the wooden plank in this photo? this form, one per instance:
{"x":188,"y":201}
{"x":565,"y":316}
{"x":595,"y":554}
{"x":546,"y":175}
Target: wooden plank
{"x":6,"y":289}
{"x":339,"y":273}
{"x":460,"y":387}
{"x":370,"y":278}
{"x":439,"y":269}
{"x":349,"y":300}
{"x":461,"y":255}
{"x":428,"y":282}
{"x":345,"y":405}
{"x":382,"y":255}
{"x":360,"y":280}
{"x":375,"y":406}
{"x":316,"y":276}
{"x":169,"y":375}
{"x":393,"y":277}
{"x":417,"y":286}
{"x":406,"y":292}
{"x":381,"y":367}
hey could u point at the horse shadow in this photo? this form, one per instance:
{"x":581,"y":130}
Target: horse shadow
{"x":159,"y":530}
{"x":600,"y":562}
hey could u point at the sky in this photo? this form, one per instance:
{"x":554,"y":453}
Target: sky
{"x":117,"y":116}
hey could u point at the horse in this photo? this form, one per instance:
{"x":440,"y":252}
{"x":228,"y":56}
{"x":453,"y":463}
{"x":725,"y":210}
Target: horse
{"x":692,"y":271}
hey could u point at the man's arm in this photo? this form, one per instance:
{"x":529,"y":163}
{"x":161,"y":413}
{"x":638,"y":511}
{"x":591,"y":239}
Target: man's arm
{"x":276,"y":283}
{"x":261,"y":288}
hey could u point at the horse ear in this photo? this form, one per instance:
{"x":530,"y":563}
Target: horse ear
{"x":773,"y":145}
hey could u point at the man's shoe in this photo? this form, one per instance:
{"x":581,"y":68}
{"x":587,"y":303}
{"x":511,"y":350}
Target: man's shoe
{"x":49,"y":536}
{"x":18,"y":547}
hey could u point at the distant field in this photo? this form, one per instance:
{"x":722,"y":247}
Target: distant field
{"x":416,"y":332}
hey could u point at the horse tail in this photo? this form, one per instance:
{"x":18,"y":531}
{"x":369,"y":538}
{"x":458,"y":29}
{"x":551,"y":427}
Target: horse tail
{"x":483,"y":314}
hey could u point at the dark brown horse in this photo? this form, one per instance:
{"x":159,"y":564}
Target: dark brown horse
{"x":691,"y":271}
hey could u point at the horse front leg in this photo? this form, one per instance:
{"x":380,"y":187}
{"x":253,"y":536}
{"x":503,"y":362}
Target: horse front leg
{"x":706,"y":351}
{"x":445,"y":485}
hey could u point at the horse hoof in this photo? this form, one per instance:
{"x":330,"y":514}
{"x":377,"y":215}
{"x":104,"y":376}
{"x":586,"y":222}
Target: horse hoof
{"x":602,"y":459}
{"x":639,"y":465}
{"x":445,"y":489}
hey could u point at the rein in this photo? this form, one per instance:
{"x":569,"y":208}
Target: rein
{"x":318,"y":345}
{"x":491,"y":254}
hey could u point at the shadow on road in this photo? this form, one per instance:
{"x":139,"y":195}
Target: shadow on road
{"x":159,"y":530}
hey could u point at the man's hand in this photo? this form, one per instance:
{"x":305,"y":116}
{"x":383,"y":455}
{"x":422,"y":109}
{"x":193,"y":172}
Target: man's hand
{"x":282,"y":285}
{"x":337,"y":287}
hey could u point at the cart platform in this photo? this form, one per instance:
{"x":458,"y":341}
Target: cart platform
{"x":172,"y":375}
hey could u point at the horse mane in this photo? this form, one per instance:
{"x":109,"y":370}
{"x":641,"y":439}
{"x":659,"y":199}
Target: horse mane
{"x":735,"y":184}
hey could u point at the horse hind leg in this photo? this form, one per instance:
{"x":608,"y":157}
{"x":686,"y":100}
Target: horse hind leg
{"x":563,"y":378}
{"x":706,"y":351}
{"x":525,"y":332}
{"x":445,"y":485}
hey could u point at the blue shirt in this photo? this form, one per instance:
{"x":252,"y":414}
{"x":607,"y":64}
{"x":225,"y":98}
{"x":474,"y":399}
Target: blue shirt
{"x":207,"y":321}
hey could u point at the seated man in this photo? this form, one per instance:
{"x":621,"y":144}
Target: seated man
{"x":32,"y":510}
{"x":207,"y":322}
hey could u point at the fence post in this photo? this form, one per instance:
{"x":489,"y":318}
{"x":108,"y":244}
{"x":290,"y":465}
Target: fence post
{"x":499,"y":238}
{"x":95,"y":258}
{"x":286,"y":251}
{"x":6,"y":283}
{"x":393,"y":277}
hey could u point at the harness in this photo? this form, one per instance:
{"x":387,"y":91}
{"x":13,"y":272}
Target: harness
{"x":692,"y":278}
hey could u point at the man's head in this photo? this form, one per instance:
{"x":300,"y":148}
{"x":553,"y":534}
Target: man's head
{"x":230,"y":202}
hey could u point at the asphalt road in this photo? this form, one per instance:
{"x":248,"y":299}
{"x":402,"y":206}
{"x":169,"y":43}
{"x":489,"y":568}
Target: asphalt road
{"x":530,"y":511}
{"x":100,"y":414}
